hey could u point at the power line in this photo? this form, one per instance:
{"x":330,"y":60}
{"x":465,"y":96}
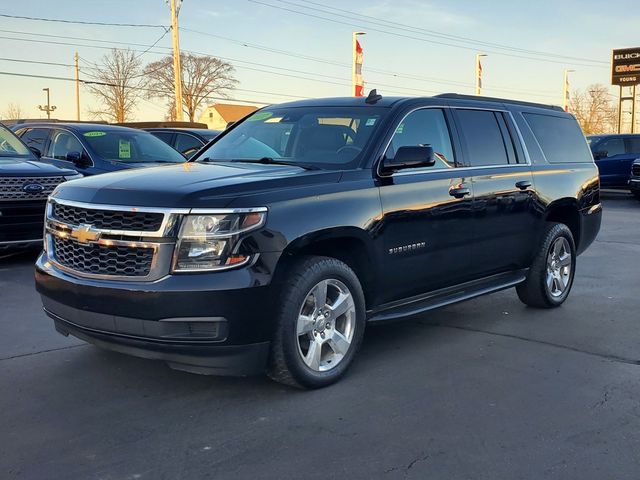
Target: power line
{"x":317,"y":77}
{"x":82,"y":22}
{"x":295,"y":73}
{"x":107,"y":84}
{"x":441,"y":81}
{"x":402,"y":26}
{"x":360,"y":26}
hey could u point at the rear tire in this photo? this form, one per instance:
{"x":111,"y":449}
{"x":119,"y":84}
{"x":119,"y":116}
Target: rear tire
{"x":552,"y":272}
{"x":320,"y":323}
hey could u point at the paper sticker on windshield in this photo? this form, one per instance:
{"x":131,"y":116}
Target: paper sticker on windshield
{"x":400,"y":128}
{"x":94,"y":134}
{"x":124,"y":150}
{"x":371,"y":122}
{"x":259,"y":116}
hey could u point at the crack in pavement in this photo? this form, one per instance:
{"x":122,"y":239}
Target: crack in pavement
{"x":618,"y":242}
{"x":20,"y":355}
{"x":606,"y":356}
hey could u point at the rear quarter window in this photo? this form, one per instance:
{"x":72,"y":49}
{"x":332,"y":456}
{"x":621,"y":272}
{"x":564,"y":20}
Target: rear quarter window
{"x":560,"y":138}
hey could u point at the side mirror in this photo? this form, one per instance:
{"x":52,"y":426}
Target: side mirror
{"x":77,"y":159}
{"x":600,"y":154}
{"x":411,"y":157}
{"x":36,"y":152}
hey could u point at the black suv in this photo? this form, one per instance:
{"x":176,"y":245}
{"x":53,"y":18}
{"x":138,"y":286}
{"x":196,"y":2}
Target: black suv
{"x":25,"y":185}
{"x":274,"y":247}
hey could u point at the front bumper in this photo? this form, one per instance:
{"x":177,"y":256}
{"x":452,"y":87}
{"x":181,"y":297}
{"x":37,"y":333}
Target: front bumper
{"x":219,"y":323}
{"x":634,"y":184}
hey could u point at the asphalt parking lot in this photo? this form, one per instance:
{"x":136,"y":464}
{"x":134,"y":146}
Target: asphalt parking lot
{"x":487,"y":389}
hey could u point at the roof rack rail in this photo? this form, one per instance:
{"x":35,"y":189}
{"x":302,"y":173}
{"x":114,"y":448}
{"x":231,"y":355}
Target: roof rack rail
{"x":457,"y":96}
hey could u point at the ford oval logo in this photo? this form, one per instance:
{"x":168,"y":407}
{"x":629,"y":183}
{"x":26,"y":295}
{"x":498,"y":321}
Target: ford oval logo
{"x":32,"y":188}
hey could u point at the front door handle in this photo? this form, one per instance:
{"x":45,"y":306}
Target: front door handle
{"x":459,"y":191}
{"x":523,"y":185}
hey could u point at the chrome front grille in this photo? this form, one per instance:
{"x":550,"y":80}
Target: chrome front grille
{"x":108,"y":219}
{"x":103,"y":259}
{"x":13,"y":188}
{"x":110,"y":241}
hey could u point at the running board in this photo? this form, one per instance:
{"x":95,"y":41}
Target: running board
{"x":446,"y":296}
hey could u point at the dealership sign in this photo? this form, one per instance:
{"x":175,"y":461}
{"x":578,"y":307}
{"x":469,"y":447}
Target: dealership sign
{"x":625,"y":66}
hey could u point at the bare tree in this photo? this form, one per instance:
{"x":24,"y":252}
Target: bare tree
{"x":12,"y":112}
{"x":202,"y":76}
{"x":594,"y":109}
{"x":118,"y":79}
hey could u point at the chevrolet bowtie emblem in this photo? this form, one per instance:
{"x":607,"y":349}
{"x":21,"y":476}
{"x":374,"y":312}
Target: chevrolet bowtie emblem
{"x":85,"y":233}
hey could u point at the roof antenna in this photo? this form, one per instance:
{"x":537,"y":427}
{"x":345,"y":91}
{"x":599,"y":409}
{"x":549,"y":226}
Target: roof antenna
{"x":373,"y":97}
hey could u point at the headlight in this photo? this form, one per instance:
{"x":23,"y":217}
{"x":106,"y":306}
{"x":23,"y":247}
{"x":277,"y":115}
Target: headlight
{"x":209,"y":241}
{"x":73,"y":177}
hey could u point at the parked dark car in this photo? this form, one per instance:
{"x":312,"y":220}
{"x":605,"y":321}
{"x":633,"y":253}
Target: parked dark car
{"x":634,"y":181}
{"x":25,"y":185}
{"x":614,"y":155}
{"x":95,"y":148}
{"x":273,"y":248}
{"x":187,"y":141}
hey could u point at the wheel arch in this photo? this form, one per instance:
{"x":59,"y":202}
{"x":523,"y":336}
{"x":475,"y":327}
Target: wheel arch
{"x":351,"y":245}
{"x":566,"y":211}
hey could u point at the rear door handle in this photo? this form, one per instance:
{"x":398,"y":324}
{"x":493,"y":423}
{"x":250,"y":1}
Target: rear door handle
{"x":523,"y":185}
{"x":459,"y":192}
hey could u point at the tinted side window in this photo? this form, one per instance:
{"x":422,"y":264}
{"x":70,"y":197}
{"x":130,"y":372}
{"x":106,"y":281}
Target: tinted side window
{"x":483,"y":137}
{"x":426,"y":126}
{"x":164,"y":136}
{"x":62,"y":143}
{"x":187,"y":144}
{"x":613,"y":146}
{"x":633,"y":145}
{"x":35,"y":137}
{"x":560,"y":138}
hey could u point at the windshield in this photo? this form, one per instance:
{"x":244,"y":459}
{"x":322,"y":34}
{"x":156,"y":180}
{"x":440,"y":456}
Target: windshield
{"x":131,"y":147}
{"x":321,"y":137}
{"x":11,"y":146}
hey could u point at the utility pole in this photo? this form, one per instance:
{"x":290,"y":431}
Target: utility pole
{"x":177,"y":69}
{"x":75,"y":59}
{"x":48,"y":107}
{"x":356,"y":66}
{"x":479,"y":73}
{"x":566,"y":90}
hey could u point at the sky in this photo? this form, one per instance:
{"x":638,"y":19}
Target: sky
{"x":429,"y":47}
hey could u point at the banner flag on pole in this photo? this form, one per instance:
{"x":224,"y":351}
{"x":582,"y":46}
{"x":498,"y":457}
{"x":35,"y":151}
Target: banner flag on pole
{"x":359,"y":81}
{"x":479,"y":73}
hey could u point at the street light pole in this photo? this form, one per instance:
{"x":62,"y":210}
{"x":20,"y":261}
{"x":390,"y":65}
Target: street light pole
{"x":48,"y":107}
{"x":356,"y":72}
{"x":177,"y":68}
{"x":565,"y":90}
{"x":75,"y":59}
{"x":479,"y":73}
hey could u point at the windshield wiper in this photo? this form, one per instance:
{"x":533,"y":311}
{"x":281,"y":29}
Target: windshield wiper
{"x":272,"y":161}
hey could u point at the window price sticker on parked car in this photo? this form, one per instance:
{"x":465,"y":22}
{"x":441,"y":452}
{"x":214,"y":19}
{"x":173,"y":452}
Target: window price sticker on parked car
{"x":124,"y":150}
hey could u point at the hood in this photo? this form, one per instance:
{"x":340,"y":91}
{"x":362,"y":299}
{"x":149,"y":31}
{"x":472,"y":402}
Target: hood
{"x":190,"y":185}
{"x":22,"y":167}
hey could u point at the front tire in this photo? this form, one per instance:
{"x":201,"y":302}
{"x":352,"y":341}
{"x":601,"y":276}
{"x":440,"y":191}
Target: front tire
{"x":320,"y":324}
{"x":551,"y":275}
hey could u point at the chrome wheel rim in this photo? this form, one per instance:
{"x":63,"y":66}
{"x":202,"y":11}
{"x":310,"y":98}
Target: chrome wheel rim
{"x":325,"y":326}
{"x":559,"y":265}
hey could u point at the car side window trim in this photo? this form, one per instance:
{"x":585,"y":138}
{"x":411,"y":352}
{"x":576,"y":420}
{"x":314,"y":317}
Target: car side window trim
{"x":453,"y":131}
{"x":415,"y":171}
{"x":84,"y":149}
